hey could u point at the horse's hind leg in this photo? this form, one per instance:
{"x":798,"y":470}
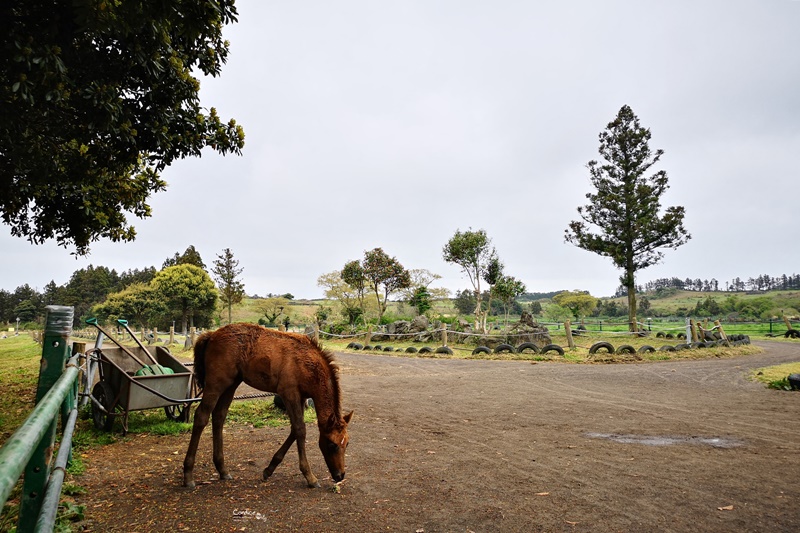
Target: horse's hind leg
{"x":201,"y":416}
{"x":217,"y":423}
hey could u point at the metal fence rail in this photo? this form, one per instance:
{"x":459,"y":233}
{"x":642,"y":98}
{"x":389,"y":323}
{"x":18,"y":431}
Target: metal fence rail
{"x":30,"y":449}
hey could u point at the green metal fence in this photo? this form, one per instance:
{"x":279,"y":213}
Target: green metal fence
{"x":30,"y":449}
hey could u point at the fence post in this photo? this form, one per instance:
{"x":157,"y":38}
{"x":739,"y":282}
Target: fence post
{"x":786,"y":321}
{"x":444,"y":335}
{"x":171,"y":336}
{"x":568,"y":331}
{"x":693,"y":330}
{"x":55,"y":353}
{"x":721,"y":331}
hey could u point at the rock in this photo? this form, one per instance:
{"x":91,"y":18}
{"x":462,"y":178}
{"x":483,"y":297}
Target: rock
{"x":398,"y":328}
{"x":418,"y":324}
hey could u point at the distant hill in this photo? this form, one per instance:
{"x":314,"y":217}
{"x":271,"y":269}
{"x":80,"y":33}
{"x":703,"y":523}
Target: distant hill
{"x":533,"y":296}
{"x":750,"y":304}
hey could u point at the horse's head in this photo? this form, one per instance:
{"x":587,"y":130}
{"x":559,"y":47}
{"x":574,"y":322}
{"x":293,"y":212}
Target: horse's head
{"x":333,"y":442}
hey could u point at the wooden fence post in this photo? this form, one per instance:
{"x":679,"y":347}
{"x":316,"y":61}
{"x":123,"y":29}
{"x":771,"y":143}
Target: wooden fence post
{"x":171,"y":335}
{"x":568,"y":331}
{"x":786,"y":321}
{"x":444,"y":335}
{"x":694,"y":330}
{"x":721,"y":331}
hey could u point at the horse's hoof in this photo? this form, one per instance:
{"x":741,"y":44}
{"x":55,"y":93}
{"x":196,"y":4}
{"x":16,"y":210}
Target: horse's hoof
{"x":267,"y":473}
{"x":314,"y":485}
{"x":224,"y":477}
{"x":188,"y":485}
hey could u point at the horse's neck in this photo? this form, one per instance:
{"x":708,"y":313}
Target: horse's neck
{"x":324,"y":403}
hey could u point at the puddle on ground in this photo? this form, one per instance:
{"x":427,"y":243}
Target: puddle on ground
{"x":655,"y":440}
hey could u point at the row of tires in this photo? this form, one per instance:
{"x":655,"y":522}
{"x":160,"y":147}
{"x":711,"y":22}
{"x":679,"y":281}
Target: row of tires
{"x":733,"y":340}
{"x":410,"y":349}
{"x":662,"y":335}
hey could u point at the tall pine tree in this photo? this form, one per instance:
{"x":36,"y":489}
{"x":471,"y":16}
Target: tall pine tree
{"x":623,"y":219}
{"x":226,"y":273}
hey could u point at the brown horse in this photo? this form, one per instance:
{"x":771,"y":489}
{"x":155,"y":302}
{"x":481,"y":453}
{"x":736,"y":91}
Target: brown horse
{"x":288,"y":364}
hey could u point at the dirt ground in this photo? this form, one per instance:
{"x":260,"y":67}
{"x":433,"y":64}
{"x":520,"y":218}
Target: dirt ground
{"x":451,"y":445}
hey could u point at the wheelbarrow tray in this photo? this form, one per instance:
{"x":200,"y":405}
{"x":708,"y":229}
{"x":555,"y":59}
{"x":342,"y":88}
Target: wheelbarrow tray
{"x":118,"y":369}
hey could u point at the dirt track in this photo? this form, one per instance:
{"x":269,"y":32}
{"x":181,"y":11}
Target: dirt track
{"x":448,"y":445}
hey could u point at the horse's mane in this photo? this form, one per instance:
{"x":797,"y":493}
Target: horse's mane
{"x":333,"y":368}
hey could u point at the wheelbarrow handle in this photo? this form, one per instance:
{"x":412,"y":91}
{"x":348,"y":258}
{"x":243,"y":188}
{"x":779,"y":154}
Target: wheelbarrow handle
{"x":93,"y":322}
{"x":124,"y":323}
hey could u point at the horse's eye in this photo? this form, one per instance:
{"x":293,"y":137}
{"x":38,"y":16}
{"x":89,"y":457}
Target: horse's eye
{"x":332,"y":446}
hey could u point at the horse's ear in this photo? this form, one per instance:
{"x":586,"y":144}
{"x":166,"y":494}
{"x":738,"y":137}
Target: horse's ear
{"x":348,"y":416}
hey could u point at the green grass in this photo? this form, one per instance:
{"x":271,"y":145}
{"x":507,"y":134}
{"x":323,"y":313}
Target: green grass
{"x":19,"y":374}
{"x":776,"y":376}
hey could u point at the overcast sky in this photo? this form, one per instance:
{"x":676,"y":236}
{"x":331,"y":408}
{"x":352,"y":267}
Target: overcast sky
{"x":393,"y":124}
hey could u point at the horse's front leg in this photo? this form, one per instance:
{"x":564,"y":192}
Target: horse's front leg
{"x":218,"y":417}
{"x":295,"y":411}
{"x":300,"y":433}
{"x":279,"y":455}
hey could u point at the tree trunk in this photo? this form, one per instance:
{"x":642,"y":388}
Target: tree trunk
{"x":478,"y":311}
{"x":230,"y":313}
{"x":633,"y":325}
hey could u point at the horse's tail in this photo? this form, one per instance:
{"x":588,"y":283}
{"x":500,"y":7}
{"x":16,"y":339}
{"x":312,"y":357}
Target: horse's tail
{"x":200,"y":346}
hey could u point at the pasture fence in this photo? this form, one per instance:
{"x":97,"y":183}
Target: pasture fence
{"x":28,"y":453}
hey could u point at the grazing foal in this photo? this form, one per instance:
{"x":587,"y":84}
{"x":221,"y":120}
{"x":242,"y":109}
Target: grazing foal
{"x":289,"y":364}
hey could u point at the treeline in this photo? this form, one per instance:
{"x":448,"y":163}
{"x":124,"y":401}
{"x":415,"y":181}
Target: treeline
{"x":88,"y":291}
{"x":87,"y":287}
{"x":759,"y":283}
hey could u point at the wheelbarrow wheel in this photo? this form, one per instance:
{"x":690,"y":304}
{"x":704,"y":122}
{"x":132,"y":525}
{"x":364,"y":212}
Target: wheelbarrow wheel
{"x":104,"y":394}
{"x":178,"y":412}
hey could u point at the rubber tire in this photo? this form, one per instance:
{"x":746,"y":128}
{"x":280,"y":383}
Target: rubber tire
{"x":647,"y":349}
{"x":683,"y":346}
{"x":794,"y":381}
{"x":681,"y":335}
{"x":178,"y":412}
{"x":602,"y":344}
{"x":527,"y":346}
{"x":626,"y":348}
{"x":444,"y":349}
{"x":501,"y":348}
{"x":660,"y":335}
{"x":368,"y":347}
{"x":699,"y":345}
{"x":481,"y":349}
{"x":411,"y":349}
{"x":667,"y":348}
{"x":425,"y":349}
{"x":377,"y":347}
{"x":552,"y":347}
{"x":669,"y":336}
{"x":104,"y":394}
{"x":388,"y":349}
{"x":355,"y":346}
